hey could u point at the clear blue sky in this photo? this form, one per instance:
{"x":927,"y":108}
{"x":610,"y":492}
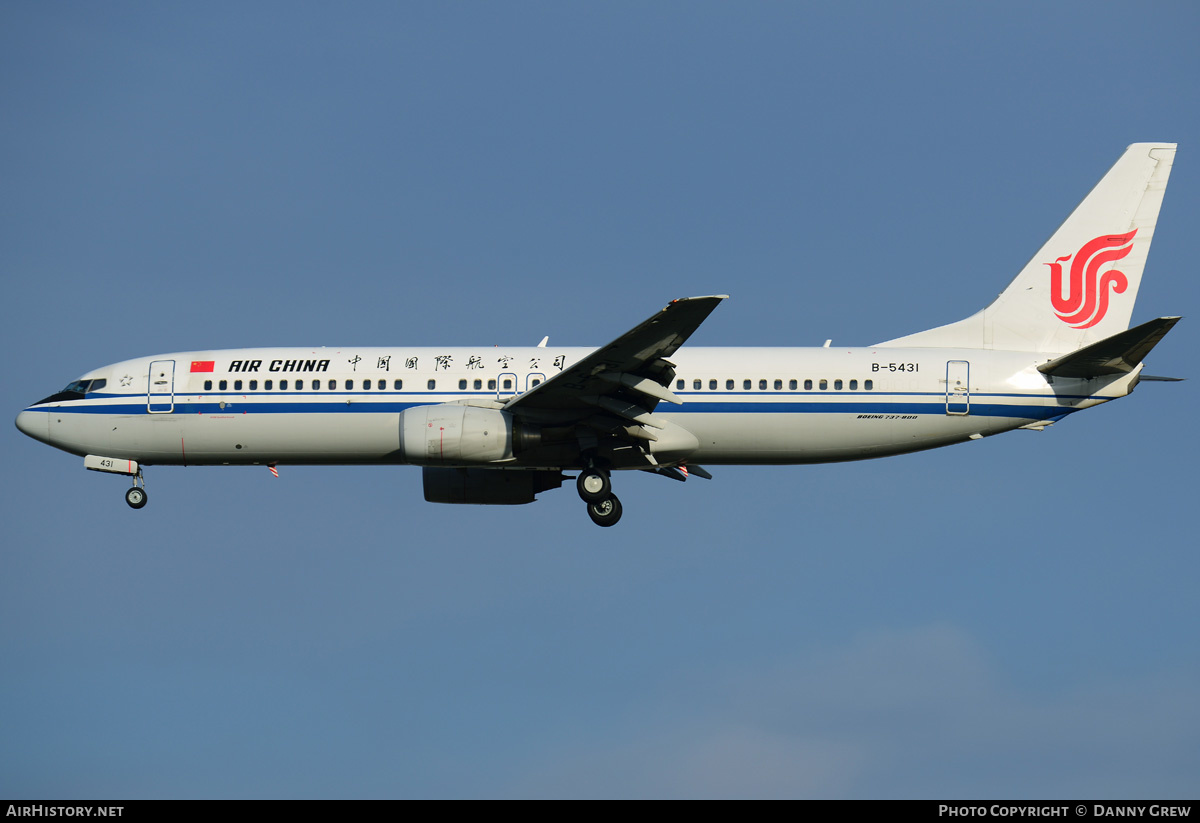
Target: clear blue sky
{"x":1010,"y":618}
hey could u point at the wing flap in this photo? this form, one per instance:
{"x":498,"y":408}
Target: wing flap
{"x":643,"y":385}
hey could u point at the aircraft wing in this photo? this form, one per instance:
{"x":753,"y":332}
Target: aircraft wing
{"x":624,"y":380}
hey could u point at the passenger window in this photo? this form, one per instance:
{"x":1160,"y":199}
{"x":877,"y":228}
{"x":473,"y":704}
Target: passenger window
{"x":397,"y":384}
{"x":808,"y":385}
{"x":478,"y":384}
{"x":253,"y":385}
{"x":462,"y":384}
{"x":349,"y":385}
{"x":762,"y":385}
{"x":367,"y":385}
{"x":778,"y":385}
{"x":381,"y":385}
{"x":223,"y":385}
{"x":432,"y":384}
{"x":712,"y":385}
{"x":792,"y":385}
{"x":824,"y":384}
{"x":746,"y":385}
{"x":679,"y":384}
{"x":837,"y":384}
{"x":507,"y":384}
{"x":316,"y":384}
{"x":491,"y":385}
{"x":728,"y":385}
{"x":237,"y":385}
{"x":696,"y":384}
{"x":853,"y":385}
{"x":299,"y":385}
{"x":537,"y":381}
{"x":268,"y":385}
{"x":208,"y":385}
{"x":283,"y":385}
{"x":868,"y":384}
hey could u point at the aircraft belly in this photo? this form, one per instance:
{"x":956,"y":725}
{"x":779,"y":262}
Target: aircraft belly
{"x":196,"y":439}
{"x":291,"y":438}
{"x":757,"y":438}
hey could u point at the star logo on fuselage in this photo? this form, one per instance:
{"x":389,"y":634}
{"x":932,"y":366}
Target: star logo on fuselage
{"x":126,"y":380}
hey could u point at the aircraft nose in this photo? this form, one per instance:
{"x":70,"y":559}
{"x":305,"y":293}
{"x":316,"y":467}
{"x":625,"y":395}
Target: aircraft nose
{"x":35,"y":424}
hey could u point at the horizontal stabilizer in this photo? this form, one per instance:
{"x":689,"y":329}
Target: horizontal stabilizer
{"x":1119,"y":354}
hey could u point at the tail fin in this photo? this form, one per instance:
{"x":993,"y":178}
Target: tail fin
{"x":1081,"y":286}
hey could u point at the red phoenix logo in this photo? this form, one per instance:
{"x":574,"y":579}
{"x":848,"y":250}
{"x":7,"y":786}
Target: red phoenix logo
{"x":1086,"y":302}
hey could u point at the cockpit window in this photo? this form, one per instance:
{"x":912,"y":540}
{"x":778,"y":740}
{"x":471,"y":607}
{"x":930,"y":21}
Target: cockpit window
{"x":73,"y":391}
{"x":84,"y":386}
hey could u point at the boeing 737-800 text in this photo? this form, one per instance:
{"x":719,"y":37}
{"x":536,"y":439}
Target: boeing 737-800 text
{"x":501,"y":425}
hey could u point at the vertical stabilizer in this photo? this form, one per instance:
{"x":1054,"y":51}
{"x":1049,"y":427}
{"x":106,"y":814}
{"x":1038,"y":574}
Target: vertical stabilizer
{"x":1081,"y":285}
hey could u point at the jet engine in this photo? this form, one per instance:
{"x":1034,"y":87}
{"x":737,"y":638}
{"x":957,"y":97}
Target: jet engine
{"x":453,"y":434}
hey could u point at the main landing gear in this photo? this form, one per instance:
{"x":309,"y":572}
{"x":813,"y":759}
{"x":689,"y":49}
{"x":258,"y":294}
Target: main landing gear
{"x":605,"y":513}
{"x":595,"y":489}
{"x":136,"y":496}
{"x":593,"y":485}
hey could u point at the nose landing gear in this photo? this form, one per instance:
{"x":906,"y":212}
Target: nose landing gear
{"x":136,"y":495}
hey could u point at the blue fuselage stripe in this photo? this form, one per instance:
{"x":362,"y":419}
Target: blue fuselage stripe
{"x":363,"y":405}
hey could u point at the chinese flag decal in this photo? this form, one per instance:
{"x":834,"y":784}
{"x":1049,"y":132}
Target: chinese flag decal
{"x":202,"y":365}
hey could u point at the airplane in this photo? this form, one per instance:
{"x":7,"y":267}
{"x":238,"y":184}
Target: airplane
{"x":501,"y":425}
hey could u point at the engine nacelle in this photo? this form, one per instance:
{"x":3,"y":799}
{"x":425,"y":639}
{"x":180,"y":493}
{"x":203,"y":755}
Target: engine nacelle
{"x":452,"y":434}
{"x":447,"y":434}
{"x":488,"y":487}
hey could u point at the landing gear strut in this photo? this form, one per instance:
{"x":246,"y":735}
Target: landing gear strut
{"x":136,"y":496}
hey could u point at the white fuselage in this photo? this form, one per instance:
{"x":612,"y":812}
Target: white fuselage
{"x":743,"y":405}
{"x":1056,"y":340}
